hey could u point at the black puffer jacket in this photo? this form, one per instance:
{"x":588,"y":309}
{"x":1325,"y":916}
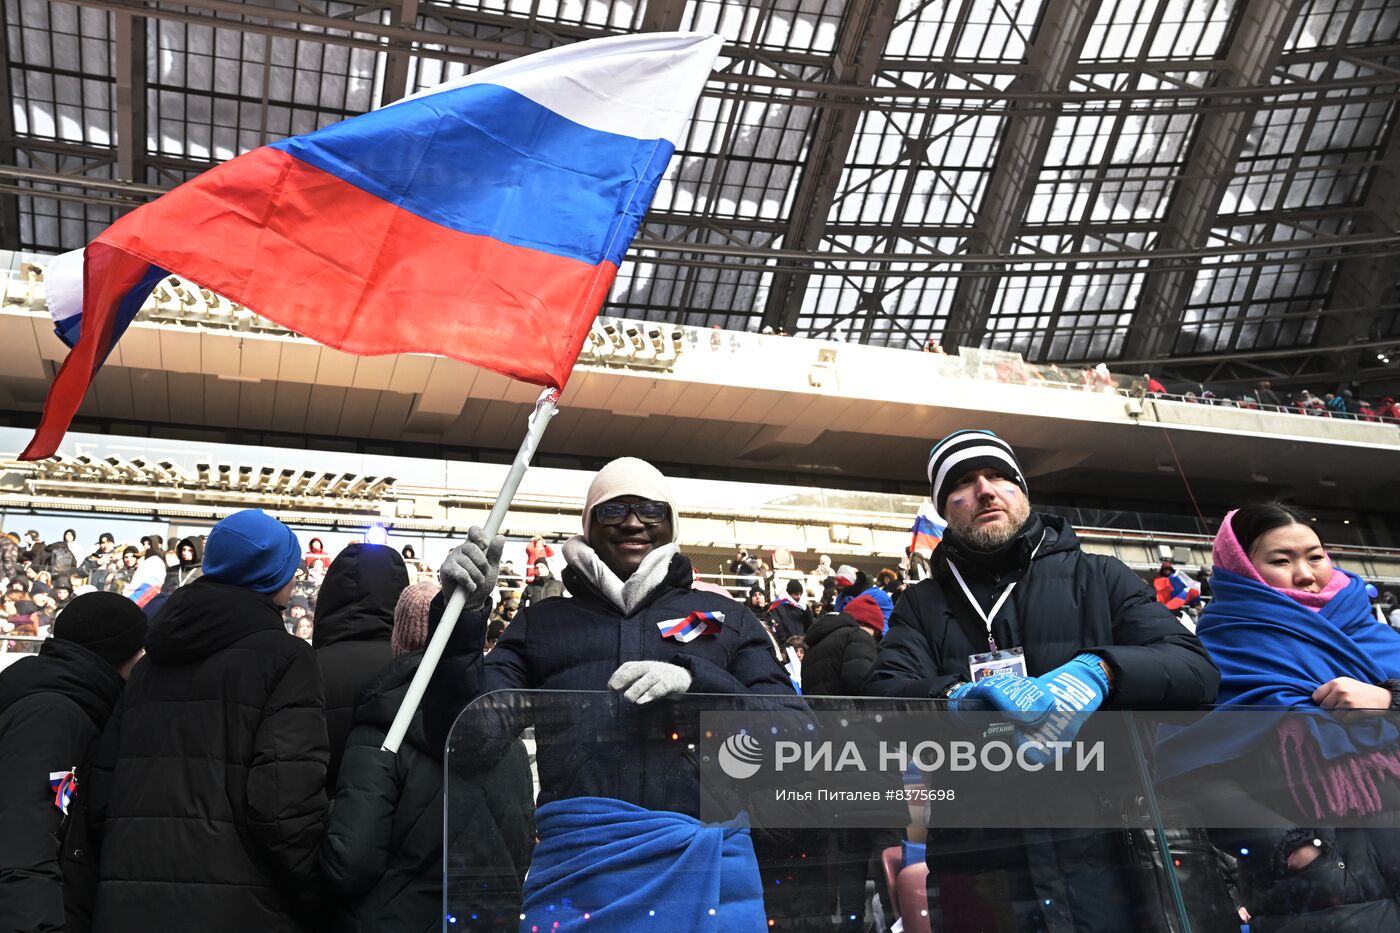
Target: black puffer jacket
{"x":1352,"y":887}
{"x":354,"y":621}
{"x":1065,"y":602}
{"x":839,"y":654}
{"x":383,"y":849}
{"x":605,"y":747}
{"x":209,"y":792}
{"x":52,"y":710}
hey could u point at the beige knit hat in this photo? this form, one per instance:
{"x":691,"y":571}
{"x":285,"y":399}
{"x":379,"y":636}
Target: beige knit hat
{"x":411,"y":618}
{"x":628,"y":476}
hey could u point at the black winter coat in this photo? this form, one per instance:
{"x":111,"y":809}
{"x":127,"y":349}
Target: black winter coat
{"x":540,"y":589}
{"x":605,"y":747}
{"x":354,"y":622}
{"x":1066,"y":602}
{"x":789,"y":619}
{"x":383,"y":850}
{"x":52,"y":710}
{"x":1352,"y":887}
{"x":209,"y":796}
{"x":839,"y":654}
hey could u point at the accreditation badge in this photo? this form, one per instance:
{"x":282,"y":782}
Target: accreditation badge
{"x":990,"y":663}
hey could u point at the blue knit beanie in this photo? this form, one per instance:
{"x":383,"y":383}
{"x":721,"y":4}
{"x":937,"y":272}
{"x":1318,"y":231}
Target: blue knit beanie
{"x":252,"y":549}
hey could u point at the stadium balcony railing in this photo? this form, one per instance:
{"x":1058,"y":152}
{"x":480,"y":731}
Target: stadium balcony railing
{"x":650,"y":346}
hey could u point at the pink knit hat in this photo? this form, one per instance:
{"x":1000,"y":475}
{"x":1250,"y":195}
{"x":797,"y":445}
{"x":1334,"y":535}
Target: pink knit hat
{"x":411,"y":618}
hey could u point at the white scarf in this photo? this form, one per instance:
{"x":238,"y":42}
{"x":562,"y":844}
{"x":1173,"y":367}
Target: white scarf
{"x":625,"y":597}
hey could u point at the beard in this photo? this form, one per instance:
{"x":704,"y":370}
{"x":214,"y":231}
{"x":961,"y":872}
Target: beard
{"x":990,"y":537}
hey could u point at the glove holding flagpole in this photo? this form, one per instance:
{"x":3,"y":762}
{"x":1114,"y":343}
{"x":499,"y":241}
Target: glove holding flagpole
{"x":483,"y":219}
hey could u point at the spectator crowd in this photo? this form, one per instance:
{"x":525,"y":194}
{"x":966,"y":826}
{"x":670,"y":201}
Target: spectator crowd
{"x":176,"y":760}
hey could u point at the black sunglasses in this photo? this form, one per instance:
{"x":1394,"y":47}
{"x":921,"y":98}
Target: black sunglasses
{"x":615,"y":513}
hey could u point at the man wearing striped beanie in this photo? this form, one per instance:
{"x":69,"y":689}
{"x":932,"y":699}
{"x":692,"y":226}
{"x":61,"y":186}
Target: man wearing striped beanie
{"x":1017,"y":619}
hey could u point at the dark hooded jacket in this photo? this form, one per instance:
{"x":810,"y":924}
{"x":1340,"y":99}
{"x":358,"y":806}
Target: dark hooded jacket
{"x":52,"y":710}
{"x":186,"y":571}
{"x":354,"y":620}
{"x":604,"y":747}
{"x":839,"y":654}
{"x":789,"y":619}
{"x":383,"y":850}
{"x":209,"y":796}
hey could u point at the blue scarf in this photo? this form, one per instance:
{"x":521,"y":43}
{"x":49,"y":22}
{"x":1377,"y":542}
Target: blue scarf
{"x":606,"y":866}
{"x":1274,"y":653}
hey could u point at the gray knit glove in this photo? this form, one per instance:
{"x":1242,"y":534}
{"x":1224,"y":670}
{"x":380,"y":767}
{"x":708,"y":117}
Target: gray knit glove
{"x":473,"y":566}
{"x":644,"y":681}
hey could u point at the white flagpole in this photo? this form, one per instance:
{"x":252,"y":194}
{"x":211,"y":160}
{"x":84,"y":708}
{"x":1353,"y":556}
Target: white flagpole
{"x":545,"y":409}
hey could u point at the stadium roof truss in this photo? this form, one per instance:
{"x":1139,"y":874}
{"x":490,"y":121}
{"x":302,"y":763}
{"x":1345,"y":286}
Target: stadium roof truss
{"x":1127,"y":180}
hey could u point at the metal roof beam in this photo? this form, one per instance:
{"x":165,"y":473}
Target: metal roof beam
{"x":865,"y":29}
{"x":404,"y":15}
{"x":129,"y":52}
{"x":9,"y":203}
{"x":1050,"y":64}
{"x":1255,"y":52}
{"x":1367,"y":282}
{"x":663,"y":15}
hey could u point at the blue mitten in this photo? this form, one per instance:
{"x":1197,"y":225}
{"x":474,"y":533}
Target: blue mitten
{"x":1022,"y":698}
{"x":1074,"y":690}
{"x":1045,"y":709}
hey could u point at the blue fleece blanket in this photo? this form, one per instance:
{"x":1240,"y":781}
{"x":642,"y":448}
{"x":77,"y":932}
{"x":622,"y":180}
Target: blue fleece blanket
{"x":1273,"y":653}
{"x":613,"y":867}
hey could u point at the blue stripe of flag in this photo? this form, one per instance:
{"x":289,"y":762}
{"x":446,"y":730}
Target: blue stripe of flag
{"x":70,"y":328}
{"x":486,"y":160}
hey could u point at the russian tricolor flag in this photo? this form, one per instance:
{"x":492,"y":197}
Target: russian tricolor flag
{"x":143,"y":593}
{"x":63,"y":784}
{"x":928,"y":528}
{"x":692,"y":626}
{"x":483,"y":219}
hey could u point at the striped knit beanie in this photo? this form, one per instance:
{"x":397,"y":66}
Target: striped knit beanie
{"x":411,"y":618}
{"x":964,"y":451}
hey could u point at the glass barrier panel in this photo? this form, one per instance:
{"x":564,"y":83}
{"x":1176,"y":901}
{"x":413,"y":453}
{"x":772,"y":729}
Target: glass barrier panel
{"x":748,"y":813}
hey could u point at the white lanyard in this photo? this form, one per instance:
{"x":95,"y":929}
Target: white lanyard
{"x":987,"y":617}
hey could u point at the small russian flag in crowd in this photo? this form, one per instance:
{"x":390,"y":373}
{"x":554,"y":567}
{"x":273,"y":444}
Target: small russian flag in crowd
{"x":928,"y":528}
{"x":692,"y":626}
{"x":63,"y":784}
{"x":483,"y":219}
{"x":143,"y":594}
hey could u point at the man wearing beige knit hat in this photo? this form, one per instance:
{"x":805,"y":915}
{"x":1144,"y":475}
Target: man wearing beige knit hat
{"x":624,"y":572}
{"x":634,"y":625}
